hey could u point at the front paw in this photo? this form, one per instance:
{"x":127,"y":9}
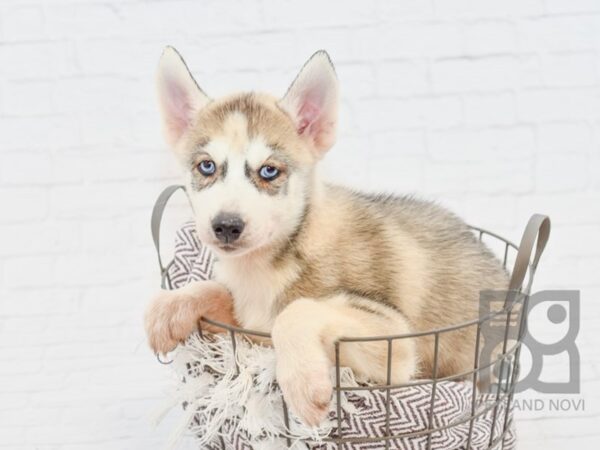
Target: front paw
{"x":307,"y":391}
{"x":165,"y":324}
{"x":173,"y":315}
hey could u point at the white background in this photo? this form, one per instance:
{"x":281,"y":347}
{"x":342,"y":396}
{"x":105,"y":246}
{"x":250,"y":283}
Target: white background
{"x":490,"y":107}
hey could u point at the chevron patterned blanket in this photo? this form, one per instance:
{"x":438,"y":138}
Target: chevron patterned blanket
{"x":238,"y":406}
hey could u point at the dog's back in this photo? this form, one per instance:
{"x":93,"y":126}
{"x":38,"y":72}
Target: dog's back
{"x":402,"y":253}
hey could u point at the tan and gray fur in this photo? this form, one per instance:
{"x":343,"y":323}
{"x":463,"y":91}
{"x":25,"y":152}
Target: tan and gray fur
{"x":314,"y":261}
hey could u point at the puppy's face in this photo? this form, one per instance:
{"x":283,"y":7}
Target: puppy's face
{"x":248,"y":159}
{"x":248,"y":174}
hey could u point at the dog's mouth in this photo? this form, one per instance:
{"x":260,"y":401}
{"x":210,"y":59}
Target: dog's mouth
{"x":231,"y":249}
{"x":228,"y":248}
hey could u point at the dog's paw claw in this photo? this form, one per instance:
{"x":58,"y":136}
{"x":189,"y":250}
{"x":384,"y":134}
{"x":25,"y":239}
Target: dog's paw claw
{"x":308,"y":394}
{"x":173,"y":315}
{"x":169,"y":321}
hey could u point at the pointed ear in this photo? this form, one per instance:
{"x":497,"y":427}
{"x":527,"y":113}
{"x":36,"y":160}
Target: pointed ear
{"x":312,"y":102}
{"x":179,"y":96}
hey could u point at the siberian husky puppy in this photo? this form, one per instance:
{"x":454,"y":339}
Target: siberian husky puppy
{"x":307,"y":261}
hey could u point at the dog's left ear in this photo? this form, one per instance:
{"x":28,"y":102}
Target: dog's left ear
{"x":312,"y":102}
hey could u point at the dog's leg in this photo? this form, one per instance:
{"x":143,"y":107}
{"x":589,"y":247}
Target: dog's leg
{"x":173,"y":315}
{"x":304,"y":335}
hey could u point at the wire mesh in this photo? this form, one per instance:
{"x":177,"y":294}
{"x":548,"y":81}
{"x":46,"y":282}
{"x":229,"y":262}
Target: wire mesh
{"x":504,"y":391}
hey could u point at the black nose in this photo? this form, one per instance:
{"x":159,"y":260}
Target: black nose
{"x":228,"y":227}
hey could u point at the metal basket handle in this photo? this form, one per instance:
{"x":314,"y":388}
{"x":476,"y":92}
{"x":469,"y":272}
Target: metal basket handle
{"x":538,"y":228}
{"x":157,"y":213}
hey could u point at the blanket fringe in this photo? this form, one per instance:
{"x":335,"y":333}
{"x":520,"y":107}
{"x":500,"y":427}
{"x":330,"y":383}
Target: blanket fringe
{"x":219,"y":386}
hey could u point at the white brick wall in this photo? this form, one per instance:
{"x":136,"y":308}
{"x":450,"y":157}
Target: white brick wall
{"x":492,"y":107}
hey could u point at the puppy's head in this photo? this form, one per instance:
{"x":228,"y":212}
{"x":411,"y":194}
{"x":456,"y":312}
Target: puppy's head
{"x":248,"y":158}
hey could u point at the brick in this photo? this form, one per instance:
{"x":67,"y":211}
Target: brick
{"x":29,"y":98}
{"x":558,"y":104}
{"x":30,"y":271}
{"x":39,"y":132}
{"x":402,"y":78}
{"x":446,"y":178}
{"x":21,"y":168}
{"x":344,"y":44}
{"x":510,"y":8}
{"x":142,"y":134}
{"x":486,"y":178}
{"x":387,"y":176}
{"x":359,"y":78}
{"x":126,"y":166}
{"x":39,"y":238}
{"x":492,"y":73}
{"x":390,"y":114}
{"x":119,"y":121}
{"x":217,"y":18}
{"x":502,"y":177}
{"x":68,"y":20}
{"x":36,"y":166}
{"x":97,"y":93}
{"x":100,"y":200}
{"x":574,"y":240}
{"x":491,"y":212}
{"x":292,"y":14}
{"x":36,"y":60}
{"x":587,"y":270}
{"x":489,"y":37}
{"x":218,"y":52}
{"x":398,"y":143}
{"x":106,"y":57}
{"x":487,"y":8}
{"x":44,"y":301}
{"x":490,"y":109}
{"x":23,"y":204}
{"x":438,"y":112}
{"x":385,"y":114}
{"x":561,"y":173}
{"x":419,"y":40}
{"x":347,"y":159}
{"x":572,"y":6}
{"x":569,"y":69}
{"x":23,"y":23}
{"x":559,"y":33}
{"x":565,"y":138}
{"x":107,"y":235}
{"x":570,"y":208}
{"x":132,"y":296}
{"x":92,"y":269}
{"x":394,"y":11}
{"x":485,"y":145}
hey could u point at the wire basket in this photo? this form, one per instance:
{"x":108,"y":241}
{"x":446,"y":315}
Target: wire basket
{"x":498,"y":375}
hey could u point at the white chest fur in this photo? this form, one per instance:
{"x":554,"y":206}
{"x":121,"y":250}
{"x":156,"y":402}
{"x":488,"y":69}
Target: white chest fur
{"x":255,"y":287}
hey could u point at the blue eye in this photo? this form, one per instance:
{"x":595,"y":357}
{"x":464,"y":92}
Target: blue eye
{"x":268,"y":172}
{"x":207,"y":167}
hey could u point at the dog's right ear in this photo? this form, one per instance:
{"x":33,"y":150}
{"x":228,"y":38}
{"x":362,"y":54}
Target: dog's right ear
{"x":179,"y":96}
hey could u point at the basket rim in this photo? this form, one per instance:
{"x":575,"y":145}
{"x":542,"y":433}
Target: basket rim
{"x":514,"y":295}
